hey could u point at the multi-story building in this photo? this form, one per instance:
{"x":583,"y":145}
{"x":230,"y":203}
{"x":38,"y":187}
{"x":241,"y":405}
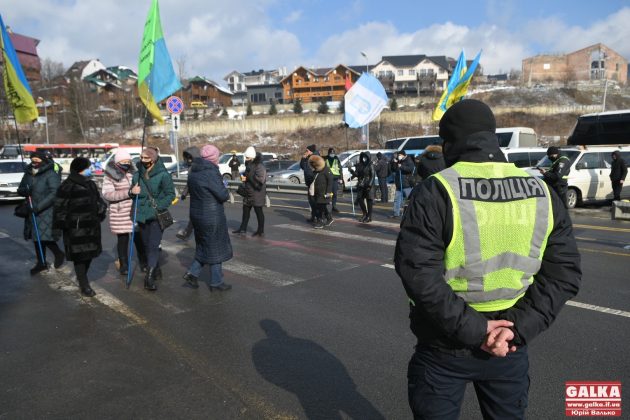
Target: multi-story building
{"x":413,"y":74}
{"x":200,"y":89}
{"x":26,"y":51}
{"x":596,"y":62}
{"x":239,"y":83}
{"x":316,"y":85}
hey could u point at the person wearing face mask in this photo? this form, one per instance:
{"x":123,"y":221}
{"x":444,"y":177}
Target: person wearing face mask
{"x":79,"y":211}
{"x":403,"y":167}
{"x":364,"y":171}
{"x":333,"y":162}
{"x":40,"y":182}
{"x":234,"y":164}
{"x":154,"y":187}
{"x":116,"y":184}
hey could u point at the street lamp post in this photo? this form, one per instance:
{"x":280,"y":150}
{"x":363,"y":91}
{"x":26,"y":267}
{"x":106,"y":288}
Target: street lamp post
{"x":367,"y":126}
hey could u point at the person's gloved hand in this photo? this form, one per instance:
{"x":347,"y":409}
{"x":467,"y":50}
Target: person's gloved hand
{"x":183,"y":197}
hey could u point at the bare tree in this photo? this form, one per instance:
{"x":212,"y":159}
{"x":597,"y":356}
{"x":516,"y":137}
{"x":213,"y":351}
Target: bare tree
{"x":50,"y":70}
{"x":181,"y":68}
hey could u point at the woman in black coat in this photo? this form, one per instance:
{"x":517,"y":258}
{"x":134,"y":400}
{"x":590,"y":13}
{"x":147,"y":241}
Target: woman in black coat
{"x":431,"y":161}
{"x":207,"y":195}
{"x":40,"y":182}
{"x":365,"y":185}
{"x":79,"y":211}
{"x":255,"y":184}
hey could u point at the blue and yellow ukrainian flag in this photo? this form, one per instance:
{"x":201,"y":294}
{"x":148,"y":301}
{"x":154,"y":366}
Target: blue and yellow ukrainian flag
{"x":15,"y":84}
{"x":156,"y":78}
{"x":457,"y":85}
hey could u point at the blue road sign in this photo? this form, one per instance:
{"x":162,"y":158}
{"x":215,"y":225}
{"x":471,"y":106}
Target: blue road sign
{"x":175,"y":105}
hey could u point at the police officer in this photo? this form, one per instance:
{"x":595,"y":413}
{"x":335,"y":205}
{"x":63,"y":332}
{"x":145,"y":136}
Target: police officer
{"x":333,"y":162}
{"x":487,"y":258}
{"x":557,"y":175}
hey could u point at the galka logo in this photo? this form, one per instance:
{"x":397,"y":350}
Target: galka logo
{"x":589,"y":399}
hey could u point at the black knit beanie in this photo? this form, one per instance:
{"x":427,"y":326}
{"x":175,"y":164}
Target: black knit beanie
{"x":79,"y":164}
{"x":460,"y":121}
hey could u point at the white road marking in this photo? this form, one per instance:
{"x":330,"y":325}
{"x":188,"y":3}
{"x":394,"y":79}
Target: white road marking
{"x":601,"y":309}
{"x":4,"y":235}
{"x":573,"y":303}
{"x":342,"y":235}
{"x":373,"y":222}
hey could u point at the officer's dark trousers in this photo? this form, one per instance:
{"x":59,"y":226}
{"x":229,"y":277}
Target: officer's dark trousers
{"x":437,"y":381}
{"x":617,"y":187}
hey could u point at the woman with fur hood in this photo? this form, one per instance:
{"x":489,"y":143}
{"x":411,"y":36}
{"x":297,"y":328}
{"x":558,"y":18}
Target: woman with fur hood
{"x":321,"y":191}
{"x":431,"y":161}
{"x":116,"y":185}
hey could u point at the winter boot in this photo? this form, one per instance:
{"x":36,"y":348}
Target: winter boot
{"x":149,"y":280}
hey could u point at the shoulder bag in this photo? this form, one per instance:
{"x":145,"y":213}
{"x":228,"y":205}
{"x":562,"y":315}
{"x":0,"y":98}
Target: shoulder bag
{"x":164,"y":218}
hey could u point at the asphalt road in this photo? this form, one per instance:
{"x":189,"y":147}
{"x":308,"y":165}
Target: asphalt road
{"x":315,"y":327}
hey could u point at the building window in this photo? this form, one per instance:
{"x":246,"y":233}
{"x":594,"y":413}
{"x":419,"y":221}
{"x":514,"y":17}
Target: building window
{"x":381,"y":73}
{"x":412,"y":72}
{"x":617,"y":67}
{"x":401,"y":72}
{"x":546,"y":66}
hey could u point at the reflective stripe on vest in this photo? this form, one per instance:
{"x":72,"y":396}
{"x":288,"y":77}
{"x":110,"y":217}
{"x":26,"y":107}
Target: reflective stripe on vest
{"x":334,"y":168}
{"x":557,"y":160}
{"x":501,"y":221}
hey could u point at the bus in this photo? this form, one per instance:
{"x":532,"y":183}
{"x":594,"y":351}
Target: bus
{"x":62,"y":153}
{"x":602,"y":128}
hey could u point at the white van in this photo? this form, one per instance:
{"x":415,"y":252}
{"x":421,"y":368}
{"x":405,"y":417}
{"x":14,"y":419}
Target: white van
{"x":517,"y":137}
{"x":224,"y":167}
{"x":524,"y":157}
{"x":589,"y":179}
{"x":350,"y":159}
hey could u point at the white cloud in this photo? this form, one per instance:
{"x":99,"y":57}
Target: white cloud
{"x":215,"y":37}
{"x":293,"y":17}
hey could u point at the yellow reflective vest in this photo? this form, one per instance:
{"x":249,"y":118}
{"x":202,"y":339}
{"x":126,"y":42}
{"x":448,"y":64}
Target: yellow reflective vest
{"x":502,"y":218}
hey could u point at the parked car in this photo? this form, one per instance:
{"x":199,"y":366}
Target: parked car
{"x":293,"y":174}
{"x":172,"y":168}
{"x":589,"y":178}
{"x":11,"y":172}
{"x":224,"y":168}
{"x":277,"y":165}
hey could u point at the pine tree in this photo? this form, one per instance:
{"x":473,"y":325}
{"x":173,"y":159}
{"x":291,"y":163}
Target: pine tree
{"x":393,"y":105}
{"x":342,"y":106}
{"x":322,"y":108}
{"x":249,"y":111}
{"x":272,"y":109}
{"x":297,"y":106}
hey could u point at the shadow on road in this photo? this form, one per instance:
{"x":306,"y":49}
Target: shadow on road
{"x":304,"y":368}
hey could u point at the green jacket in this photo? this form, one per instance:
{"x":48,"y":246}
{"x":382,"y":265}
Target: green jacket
{"x":162,"y":190}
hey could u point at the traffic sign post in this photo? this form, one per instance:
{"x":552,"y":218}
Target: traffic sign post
{"x":175,"y":106}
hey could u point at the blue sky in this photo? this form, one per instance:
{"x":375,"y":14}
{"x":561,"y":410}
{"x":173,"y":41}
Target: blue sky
{"x":213,"y":37}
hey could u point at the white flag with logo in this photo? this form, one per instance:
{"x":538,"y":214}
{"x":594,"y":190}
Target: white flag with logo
{"x":364,"y":101}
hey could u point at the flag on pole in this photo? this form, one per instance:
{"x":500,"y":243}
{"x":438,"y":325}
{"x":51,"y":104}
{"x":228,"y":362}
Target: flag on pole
{"x":15,"y":84}
{"x":364,"y":101}
{"x":348,"y":83}
{"x":457,"y":85}
{"x":156,"y":78}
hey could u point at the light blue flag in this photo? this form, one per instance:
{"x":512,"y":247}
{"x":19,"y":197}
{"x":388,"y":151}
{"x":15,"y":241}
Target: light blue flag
{"x":364,"y":101}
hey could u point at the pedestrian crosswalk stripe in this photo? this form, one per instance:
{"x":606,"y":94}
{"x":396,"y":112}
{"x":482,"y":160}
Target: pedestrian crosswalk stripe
{"x":573,"y":303}
{"x":268,"y":276}
{"x":372,"y":223}
{"x":342,"y":235}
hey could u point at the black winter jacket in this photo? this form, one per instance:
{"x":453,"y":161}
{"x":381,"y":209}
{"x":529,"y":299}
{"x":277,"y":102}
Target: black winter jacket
{"x":365,"y":175}
{"x":430,"y":163}
{"x":441,"y":318}
{"x":404,"y":171}
{"x":79,"y":211}
{"x":42,"y":187}
{"x":618,"y":169}
{"x":323,"y":185}
{"x":255,"y":182}
{"x":555,"y":176}
{"x":382,"y":168}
